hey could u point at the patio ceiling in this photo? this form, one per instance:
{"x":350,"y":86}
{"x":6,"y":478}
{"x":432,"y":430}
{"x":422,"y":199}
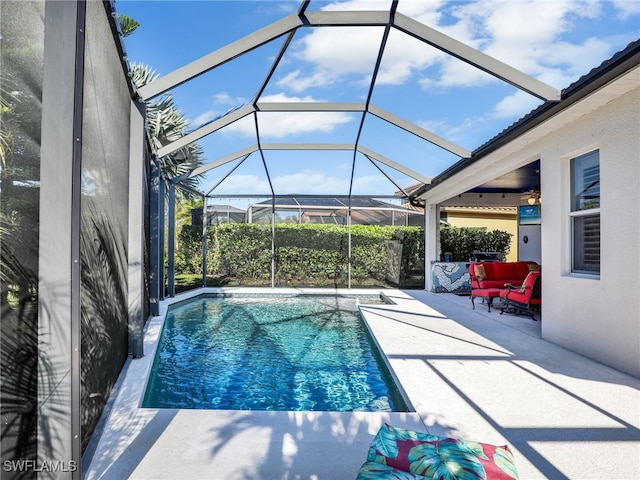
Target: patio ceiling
{"x":365,"y":141}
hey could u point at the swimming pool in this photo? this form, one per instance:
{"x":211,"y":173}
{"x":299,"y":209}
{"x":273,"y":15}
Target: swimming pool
{"x":271,"y":352}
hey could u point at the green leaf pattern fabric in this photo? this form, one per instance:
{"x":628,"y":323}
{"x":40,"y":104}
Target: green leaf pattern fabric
{"x":385,"y":443}
{"x":376,"y":471}
{"x":503,"y":458}
{"x":447,"y":459}
{"x":397,"y":453}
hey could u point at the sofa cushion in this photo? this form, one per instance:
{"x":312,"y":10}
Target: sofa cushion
{"x":434,"y":456}
{"x":523,"y":268}
{"x":505,"y":271}
{"x":498,"y":283}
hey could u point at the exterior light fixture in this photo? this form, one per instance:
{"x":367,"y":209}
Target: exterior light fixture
{"x":533,"y":198}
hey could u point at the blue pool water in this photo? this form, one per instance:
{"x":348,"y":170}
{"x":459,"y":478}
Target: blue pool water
{"x":304,"y":353}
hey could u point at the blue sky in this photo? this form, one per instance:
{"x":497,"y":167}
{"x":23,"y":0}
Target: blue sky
{"x":553,"y":41}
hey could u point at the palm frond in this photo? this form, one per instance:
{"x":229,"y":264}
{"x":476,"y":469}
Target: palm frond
{"x":127,"y":24}
{"x":166,"y":124}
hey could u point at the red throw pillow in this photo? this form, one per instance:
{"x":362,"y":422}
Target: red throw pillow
{"x":480,"y":272}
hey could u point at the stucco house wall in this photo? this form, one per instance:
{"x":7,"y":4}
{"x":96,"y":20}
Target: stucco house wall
{"x":598,"y":317}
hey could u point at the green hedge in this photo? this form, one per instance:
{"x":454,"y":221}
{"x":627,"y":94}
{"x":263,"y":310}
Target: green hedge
{"x":317,"y":254}
{"x":304,"y":254}
{"x":462,"y":242}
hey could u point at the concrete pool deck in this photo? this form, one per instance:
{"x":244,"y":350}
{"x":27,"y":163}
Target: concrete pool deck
{"x":468,"y":373}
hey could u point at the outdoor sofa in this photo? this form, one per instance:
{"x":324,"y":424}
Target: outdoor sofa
{"x":489,"y":278}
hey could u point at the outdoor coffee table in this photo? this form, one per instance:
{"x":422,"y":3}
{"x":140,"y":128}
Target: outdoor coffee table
{"x":488,"y":293}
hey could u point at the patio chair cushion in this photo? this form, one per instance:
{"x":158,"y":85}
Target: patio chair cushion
{"x":433,"y":456}
{"x":528,"y":281}
{"x":525,"y":294}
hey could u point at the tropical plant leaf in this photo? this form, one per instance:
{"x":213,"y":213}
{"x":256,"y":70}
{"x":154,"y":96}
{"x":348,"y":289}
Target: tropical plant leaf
{"x":166,"y":124}
{"x":503,"y":458}
{"x":447,"y":459}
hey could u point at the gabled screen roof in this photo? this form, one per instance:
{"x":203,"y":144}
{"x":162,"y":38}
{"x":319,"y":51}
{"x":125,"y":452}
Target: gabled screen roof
{"x":351,"y":98}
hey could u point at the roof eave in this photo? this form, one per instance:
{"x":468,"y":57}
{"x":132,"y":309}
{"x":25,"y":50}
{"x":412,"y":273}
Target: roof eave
{"x":607,"y":72}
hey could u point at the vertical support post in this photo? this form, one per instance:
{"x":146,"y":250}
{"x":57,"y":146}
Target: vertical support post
{"x":349,"y":245}
{"x":205,"y":224}
{"x":76,"y":226}
{"x":431,"y":240}
{"x":171,"y":239}
{"x":135,"y":270}
{"x":59,"y":267}
{"x":155,"y":232}
{"x":273,"y":242}
{"x":161,"y":246}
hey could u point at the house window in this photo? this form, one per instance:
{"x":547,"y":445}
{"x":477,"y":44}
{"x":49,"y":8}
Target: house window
{"x":585,"y":213}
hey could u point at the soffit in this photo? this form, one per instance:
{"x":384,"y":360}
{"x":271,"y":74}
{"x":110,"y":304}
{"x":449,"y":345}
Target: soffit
{"x":507,"y":161}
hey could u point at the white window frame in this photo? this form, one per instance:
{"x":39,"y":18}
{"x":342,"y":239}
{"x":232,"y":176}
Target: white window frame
{"x":575,"y":214}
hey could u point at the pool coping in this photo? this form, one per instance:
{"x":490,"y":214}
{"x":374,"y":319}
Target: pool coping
{"x":469,"y":373}
{"x":127,"y":397}
{"x":284,"y":292}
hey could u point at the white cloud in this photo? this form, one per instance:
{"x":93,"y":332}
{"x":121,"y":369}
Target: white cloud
{"x":204,"y":118}
{"x":368,"y":184}
{"x":627,"y":8}
{"x":527,"y":35}
{"x":222,"y":99}
{"x":248,"y":184}
{"x":324,"y":50}
{"x":455,"y":133}
{"x":284,"y":124}
{"x":296,"y":81}
{"x":403,"y":56}
{"x":305,"y":181}
{"x":245,"y":127}
{"x":310,"y":181}
{"x":515,"y":106}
